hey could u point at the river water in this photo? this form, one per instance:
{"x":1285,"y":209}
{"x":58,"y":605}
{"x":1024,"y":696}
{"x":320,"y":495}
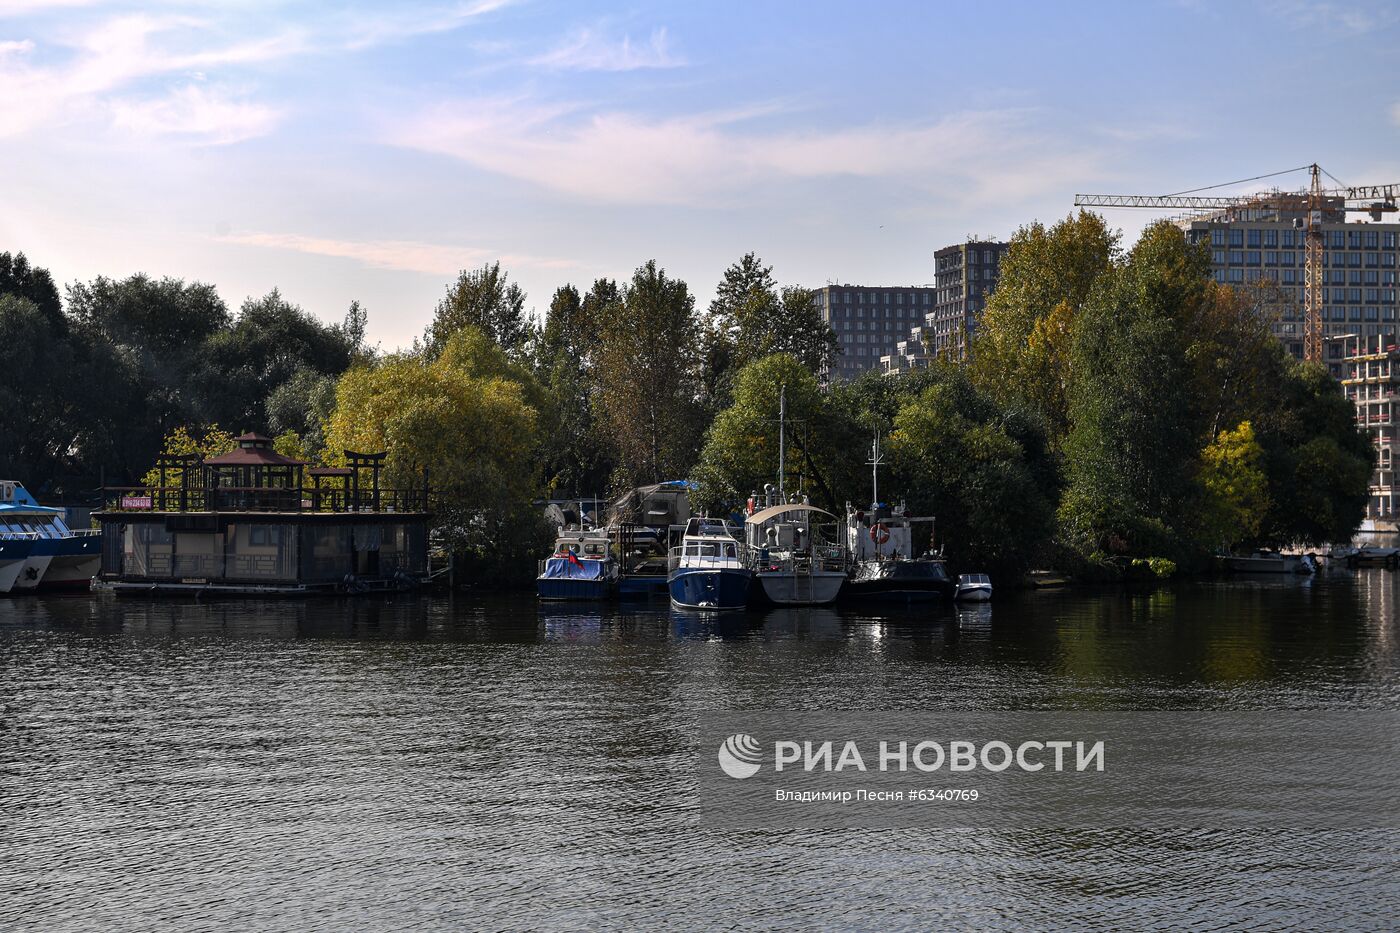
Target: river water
{"x":429,"y":763}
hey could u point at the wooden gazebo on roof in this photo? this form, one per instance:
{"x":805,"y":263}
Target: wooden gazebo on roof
{"x":247,"y":521}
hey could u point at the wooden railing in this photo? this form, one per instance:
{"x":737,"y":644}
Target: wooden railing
{"x":261,"y":499}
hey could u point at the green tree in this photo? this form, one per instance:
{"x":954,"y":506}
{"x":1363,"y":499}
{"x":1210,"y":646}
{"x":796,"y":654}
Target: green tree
{"x":1021,"y":351}
{"x":19,"y":278}
{"x":740,"y":455}
{"x":787,"y":322}
{"x":1318,"y":461}
{"x":210,"y":441}
{"x":301,"y":406}
{"x":1135,"y":429}
{"x":143,"y":343}
{"x":41,"y":392}
{"x":647,"y":376}
{"x":575,"y":455}
{"x":487,"y":300}
{"x":982,"y":471}
{"x":270,"y":343}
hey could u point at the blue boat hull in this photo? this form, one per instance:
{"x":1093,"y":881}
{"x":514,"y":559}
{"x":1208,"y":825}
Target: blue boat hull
{"x":577,"y":589}
{"x":707,"y":588}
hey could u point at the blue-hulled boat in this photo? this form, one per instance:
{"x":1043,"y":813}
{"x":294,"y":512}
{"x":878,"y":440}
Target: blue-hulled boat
{"x":57,"y":557}
{"x":709,"y":570}
{"x":580,"y":566}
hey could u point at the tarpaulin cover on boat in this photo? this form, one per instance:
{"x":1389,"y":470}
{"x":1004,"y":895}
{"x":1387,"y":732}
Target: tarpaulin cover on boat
{"x":561,"y":568}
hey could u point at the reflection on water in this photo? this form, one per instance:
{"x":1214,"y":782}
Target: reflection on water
{"x":422,"y":762}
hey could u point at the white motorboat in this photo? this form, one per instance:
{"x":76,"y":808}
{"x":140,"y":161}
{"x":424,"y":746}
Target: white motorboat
{"x":974,"y":587}
{"x":1269,"y":562}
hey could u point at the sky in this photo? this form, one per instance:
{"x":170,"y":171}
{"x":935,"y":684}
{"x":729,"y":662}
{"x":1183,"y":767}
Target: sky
{"x":368,"y":151}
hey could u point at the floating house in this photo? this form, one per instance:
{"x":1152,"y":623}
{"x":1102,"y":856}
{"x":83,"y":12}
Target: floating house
{"x":255,"y":522}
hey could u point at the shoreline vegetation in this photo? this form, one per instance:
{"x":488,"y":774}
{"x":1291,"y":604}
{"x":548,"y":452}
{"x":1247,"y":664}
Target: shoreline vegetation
{"x":1121,"y":416}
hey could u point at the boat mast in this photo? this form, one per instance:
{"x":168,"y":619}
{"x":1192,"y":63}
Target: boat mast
{"x":782,"y":442}
{"x":876,"y":461}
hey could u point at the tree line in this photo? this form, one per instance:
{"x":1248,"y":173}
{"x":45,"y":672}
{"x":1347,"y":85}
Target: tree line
{"x":1117,"y":404}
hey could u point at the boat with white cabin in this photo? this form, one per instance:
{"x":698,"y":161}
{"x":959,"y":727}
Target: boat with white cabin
{"x":974,"y":588}
{"x":580,"y":566}
{"x":797,"y":560}
{"x":709,"y":569}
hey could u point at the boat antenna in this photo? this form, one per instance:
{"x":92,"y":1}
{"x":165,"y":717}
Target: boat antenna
{"x":877,"y":460}
{"x":782,"y":442}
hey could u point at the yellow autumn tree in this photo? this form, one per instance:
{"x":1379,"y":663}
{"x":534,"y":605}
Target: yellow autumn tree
{"x":207,"y":442}
{"x":1236,"y":488}
{"x":469,"y":416}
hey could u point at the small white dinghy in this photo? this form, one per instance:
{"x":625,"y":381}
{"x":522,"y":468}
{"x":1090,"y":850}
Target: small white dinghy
{"x":974,"y":587}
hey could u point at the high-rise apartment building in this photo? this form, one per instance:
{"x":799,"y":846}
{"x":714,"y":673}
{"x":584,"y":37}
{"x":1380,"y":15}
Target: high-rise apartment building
{"x":1360,"y":275}
{"x":870,"y":322}
{"x":965,"y":275}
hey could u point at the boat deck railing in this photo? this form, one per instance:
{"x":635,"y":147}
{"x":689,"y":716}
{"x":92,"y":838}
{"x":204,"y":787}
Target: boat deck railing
{"x":261,"y":499}
{"x":822,"y":558}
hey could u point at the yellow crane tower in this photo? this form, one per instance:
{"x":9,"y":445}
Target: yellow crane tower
{"x":1310,"y":208}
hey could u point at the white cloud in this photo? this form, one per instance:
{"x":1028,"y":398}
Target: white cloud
{"x":25,"y":7}
{"x":399,"y":255}
{"x":197,"y":113}
{"x":111,"y":56}
{"x":619,"y":157}
{"x":590,"y":50}
{"x":392,"y":25}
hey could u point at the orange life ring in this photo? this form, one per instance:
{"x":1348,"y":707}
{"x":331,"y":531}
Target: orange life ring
{"x":880,"y":533}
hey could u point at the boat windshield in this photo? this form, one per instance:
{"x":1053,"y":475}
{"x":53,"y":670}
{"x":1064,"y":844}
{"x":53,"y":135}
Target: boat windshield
{"x":594,"y":549}
{"x":978,"y":578}
{"x":710,"y":549}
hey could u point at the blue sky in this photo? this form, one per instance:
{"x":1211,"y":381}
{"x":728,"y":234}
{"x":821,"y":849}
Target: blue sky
{"x":367,"y":151}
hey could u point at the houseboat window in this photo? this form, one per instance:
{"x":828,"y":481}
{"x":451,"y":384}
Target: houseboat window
{"x":730,"y":551}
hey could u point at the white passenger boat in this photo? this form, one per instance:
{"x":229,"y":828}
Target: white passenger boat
{"x":56,"y":557}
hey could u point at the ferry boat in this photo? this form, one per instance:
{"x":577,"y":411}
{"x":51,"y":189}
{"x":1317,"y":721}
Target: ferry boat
{"x":708,"y":570}
{"x":56,"y":557}
{"x":580,"y":566}
{"x":796,"y":561}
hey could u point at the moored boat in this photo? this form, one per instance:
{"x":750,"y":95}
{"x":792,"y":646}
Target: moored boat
{"x":884,"y":565}
{"x":974,"y":587}
{"x":708,"y":569}
{"x":796,"y":561}
{"x":580,"y":566}
{"x":57,"y":558}
{"x":1269,"y":562}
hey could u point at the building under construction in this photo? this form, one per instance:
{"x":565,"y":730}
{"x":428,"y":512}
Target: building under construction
{"x":1372,"y":382}
{"x":1264,"y":247}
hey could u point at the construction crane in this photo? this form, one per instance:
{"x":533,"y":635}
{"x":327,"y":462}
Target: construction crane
{"x":1310,"y":206}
